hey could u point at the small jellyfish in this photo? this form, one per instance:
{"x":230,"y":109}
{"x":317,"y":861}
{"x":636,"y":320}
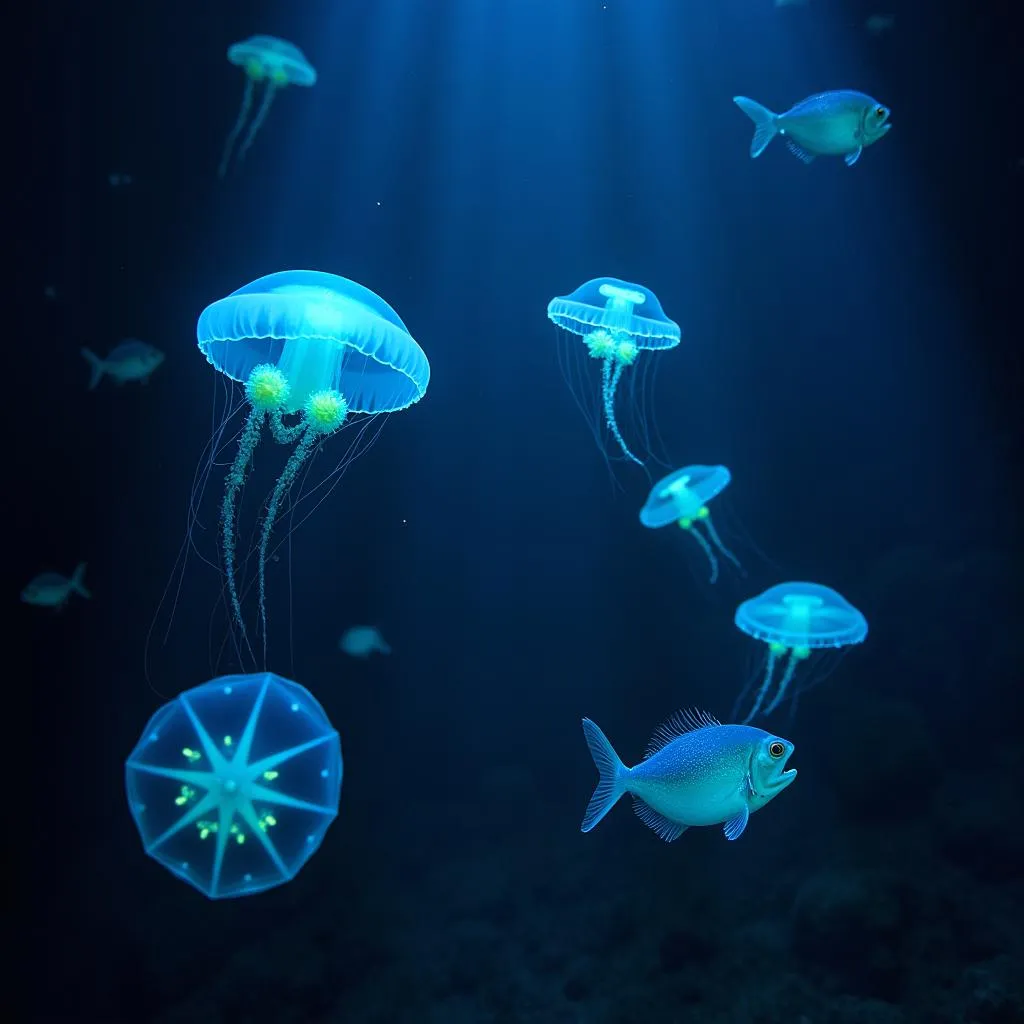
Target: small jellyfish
{"x":312,"y":349}
{"x":362,"y":641}
{"x":264,"y":59}
{"x":617,"y":321}
{"x":682,"y":498}
{"x":795,"y":619}
{"x":234,"y":783}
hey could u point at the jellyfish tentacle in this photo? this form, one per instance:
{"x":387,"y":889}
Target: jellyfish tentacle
{"x":609,"y":382}
{"x":283,"y":434}
{"x":243,"y":113}
{"x":302,"y":452}
{"x":744,"y":693}
{"x":695,"y":534}
{"x":229,"y":506}
{"x":324,"y":413}
{"x":769,"y":671}
{"x":787,"y":678}
{"x":257,"y":122}
{"x":717,"y":541}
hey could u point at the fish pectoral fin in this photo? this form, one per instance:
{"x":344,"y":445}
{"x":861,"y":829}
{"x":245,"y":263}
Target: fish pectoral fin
{"x":736,"y":825}
{"x":798,"y":151}
{"x":851,"y":158}
{"x":664,"y":827}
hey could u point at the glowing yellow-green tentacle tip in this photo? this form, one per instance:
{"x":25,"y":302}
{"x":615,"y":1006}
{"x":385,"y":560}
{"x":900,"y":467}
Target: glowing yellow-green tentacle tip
{"x":326,"y":411}
{"x":267,"y":388}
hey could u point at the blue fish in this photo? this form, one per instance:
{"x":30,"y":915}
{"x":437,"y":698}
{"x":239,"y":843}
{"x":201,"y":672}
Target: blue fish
{"x":51,"y":590}
{"x":131,"y":360}
{"x":695,"y":771}
{"x":837,"y":123}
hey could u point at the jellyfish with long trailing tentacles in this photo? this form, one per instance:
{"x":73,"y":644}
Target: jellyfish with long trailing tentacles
{"x":263,"y":59}
{"x":682,"y":498}
{"x":795,"y":620}
{"x":311,"y":349}
{"x":234,"y":783}
{"x":617,"y":322}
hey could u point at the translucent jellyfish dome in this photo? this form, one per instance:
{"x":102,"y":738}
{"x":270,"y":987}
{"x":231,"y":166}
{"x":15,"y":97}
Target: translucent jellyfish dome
{"x":795,"y":620}
{"x":233,"y":784}
{"x":277,"y":59}
{"x":322,"y":332}
{"x":802,"y":615}
{"x":682,"y":494}
{"x":619,"y":306}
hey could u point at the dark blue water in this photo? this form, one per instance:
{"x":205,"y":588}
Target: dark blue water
{"x":850,"y":351}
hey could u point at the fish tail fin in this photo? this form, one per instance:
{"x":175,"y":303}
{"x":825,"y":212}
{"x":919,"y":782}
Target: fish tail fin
{"x":95,"y":364}
{"x":765,"y":124}
{"x":613,"y":772}
{"x":78,"y":580}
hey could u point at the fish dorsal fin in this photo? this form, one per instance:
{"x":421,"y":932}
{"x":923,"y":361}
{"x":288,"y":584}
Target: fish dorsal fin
{"x":682,"y":722}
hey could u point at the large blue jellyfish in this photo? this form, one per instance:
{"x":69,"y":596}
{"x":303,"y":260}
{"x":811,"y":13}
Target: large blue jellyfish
{"x":263,"y":59}
{"x":311,"y":349}
{"x":617,"y":321}
{"x":682,"y":498}
{"x":796,"y":619}
{"x":233,"y":784}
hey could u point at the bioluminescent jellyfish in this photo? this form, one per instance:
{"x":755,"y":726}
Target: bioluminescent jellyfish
{"x":311,"y":349}
{"x":617,"y":321}
{"x":682,"y":498}
{"x":795,"y":620}
{"x":234,"y":783}
{"x":263,"y":59}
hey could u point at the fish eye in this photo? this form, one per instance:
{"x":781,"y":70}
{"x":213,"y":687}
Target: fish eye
{"x":776,"y":749}
{"x":879,"y":112}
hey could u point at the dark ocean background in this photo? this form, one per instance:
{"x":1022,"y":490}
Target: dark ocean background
{"x":851,"y":351}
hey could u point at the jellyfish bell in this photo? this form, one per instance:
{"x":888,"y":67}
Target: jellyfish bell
{"x":795,"y":621}
{"x":269,"y":60}
{"x":616,"y":322}
{"x":682,"y":498}
{"x":311,"y":349}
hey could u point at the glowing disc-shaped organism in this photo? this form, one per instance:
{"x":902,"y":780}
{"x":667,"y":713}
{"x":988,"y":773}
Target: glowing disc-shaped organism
{"x":233,"y":784}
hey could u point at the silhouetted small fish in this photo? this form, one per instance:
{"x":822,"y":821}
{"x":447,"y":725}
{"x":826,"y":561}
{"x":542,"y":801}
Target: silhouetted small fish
{"x":837,"y":123}
{"x":131,"y":360}
{"x":51,"y":590}
{"x":362,"y":641}
{"x":695,"y":771}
